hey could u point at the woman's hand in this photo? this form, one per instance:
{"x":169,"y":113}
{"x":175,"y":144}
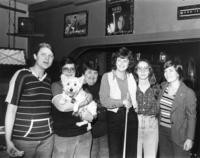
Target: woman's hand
{"x":188,"y":145}
{"x":13,"y":151}
{"x":126,"y":102}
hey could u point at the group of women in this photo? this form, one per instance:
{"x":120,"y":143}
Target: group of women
{"x":135,"y":117}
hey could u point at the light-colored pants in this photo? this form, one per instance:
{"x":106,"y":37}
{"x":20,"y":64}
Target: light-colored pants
{"x":36,"y":149}
{"x":100,"y":147}
{"x":72,"y":147}
{"x":147,"y":136}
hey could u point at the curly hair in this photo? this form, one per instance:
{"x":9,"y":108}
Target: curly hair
{"x":123,"y":53}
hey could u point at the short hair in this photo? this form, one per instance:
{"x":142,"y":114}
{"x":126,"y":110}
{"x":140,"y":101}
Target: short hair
{"x":123,"y":53}
{"x":177,"y":65}
{"x":151,"y":77}
{"x":43,"y":45}
{"x":67,"y":60}
{"x":90,"y":65}
{"x":31,"y":60}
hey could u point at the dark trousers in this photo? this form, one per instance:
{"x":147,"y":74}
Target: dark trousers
{"x":116,"y":124}
{"x":167,"y":148}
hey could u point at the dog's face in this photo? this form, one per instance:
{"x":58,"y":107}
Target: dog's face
{"x":71,"y":85}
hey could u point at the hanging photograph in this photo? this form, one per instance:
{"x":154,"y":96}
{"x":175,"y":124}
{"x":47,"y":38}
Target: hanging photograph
{"x":76,"y":24}
{"x":119,"y":17}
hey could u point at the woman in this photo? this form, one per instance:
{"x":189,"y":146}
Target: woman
{"x":28,"y":122}
{"x":118,"y":92}
{"x":70,"y":140}
{"x":99,"y":125}
{"x":177,"y":114}
{"x":147,"y":95}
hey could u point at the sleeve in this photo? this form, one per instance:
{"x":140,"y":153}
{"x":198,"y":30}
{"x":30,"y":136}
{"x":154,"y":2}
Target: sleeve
{"x":191,"y":113}
{"x":104,"y":94}
{"x":15,"y":88}
{"x":56,"y":88}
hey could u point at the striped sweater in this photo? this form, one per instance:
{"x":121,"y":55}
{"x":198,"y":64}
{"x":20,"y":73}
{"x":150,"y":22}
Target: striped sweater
{"x":33,"y":100}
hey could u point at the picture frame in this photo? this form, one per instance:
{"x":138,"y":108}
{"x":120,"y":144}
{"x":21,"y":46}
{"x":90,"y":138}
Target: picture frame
{"x":119,"y":17}
{"x":76,"y":24}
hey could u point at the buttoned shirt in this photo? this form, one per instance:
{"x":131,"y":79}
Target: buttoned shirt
{"x":147,"y":103}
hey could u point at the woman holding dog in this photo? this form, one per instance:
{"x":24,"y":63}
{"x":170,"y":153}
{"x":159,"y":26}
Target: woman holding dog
{"x":118,"y":92}
{"x":70,"y":140}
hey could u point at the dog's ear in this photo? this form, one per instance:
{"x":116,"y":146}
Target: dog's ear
{"x":63,"y":78}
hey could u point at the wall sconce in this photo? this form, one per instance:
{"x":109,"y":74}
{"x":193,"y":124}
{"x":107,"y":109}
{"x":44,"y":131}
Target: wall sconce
{"x":162,"y":57}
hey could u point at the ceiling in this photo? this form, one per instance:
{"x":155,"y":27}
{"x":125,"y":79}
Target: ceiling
{"x":29,"y":2}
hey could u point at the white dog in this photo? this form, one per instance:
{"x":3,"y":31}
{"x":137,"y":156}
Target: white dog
{"x":73,"y":92}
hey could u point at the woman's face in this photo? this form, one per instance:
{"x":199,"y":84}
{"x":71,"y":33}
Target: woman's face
{"x":44,"y":58}
{"x":91,"y":76}
{"x":69,"y":70}
{"x":171,"y":74}
{"x":143,"y":70}
{"x":122,"y":64}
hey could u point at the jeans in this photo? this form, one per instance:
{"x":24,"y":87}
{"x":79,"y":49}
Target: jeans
{"x":100,"y":147}
{"x":167,"y":148}
{"x":147,"y":136}
{"x":36,"y":149}
{"x":73,"y":147}
{"x":116,"y":125}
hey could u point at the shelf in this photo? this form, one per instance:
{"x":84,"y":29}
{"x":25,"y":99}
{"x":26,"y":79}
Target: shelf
{"x":26,"y":35}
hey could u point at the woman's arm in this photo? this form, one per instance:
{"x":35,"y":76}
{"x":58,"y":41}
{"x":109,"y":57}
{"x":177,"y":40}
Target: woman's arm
{"x":191,"y":118}
{"x":191,"y":113}
{"x":88,"y":99}
{"x":61,"y":104}
{"x":9,"y":123}
{"x":104,"y":95}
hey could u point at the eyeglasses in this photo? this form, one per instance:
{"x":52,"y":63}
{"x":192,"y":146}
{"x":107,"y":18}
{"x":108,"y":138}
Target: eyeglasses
{"x":143,"y":68}
{"x":71,"y":69}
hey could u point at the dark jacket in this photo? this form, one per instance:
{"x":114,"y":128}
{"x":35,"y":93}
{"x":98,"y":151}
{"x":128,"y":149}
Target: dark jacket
{"x":183,"y":114}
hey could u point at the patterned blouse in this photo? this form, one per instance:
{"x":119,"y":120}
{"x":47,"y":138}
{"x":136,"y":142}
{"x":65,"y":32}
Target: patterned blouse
{"x":147,"y":102}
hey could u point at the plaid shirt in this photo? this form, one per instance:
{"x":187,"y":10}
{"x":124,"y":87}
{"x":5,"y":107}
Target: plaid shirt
{"x":147,"y":102}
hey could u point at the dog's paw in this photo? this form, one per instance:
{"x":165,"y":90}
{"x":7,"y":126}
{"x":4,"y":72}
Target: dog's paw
{"x":89,"y":127}
{"x":79,"y":124}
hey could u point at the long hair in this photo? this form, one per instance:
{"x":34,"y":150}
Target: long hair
{"x":151,"y":76}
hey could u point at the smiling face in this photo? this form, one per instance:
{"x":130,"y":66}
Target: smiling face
{"x":171,"y":74}
{"x":122,"y":64}
{"x":143,"y":70}
{"x":44,"y":58}
{"x":91,"y":76}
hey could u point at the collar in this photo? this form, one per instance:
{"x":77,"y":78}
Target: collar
{"x":35,"y":74}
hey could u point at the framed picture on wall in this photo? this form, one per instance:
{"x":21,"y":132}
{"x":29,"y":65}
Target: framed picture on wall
{"x":76,"y":24}
{"x":119,"y":17}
